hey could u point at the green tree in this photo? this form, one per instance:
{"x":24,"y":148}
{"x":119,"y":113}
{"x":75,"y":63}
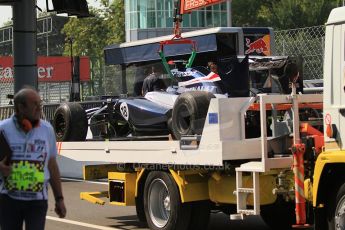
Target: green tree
{"x":7,"y":23}
{"x":91,"y":35}
{"x":282,"y":14}
{"x":250,"y":12}
{"x":301,"y":13}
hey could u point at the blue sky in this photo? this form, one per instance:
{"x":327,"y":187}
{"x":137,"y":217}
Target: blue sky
{"x":6,"y":11}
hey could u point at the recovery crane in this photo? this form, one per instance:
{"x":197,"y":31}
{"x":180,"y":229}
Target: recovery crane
{"x":287,"y":174}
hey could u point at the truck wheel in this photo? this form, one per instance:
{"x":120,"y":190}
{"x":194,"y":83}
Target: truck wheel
{"x":200,"y":216}
{"x":139,"y":208}
{"x":189,"y":113}
{"x":162,"y":203}
{"x":139,"y":200}
{"x":280,"y":215}
{"x":336,"y":212}
{"x":70,"y":122}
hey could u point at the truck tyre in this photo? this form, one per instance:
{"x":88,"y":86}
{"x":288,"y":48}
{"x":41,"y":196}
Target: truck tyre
{"x":162,"y":203}
{"x":279,"y":215}
{"x":139,"y":208}
{"x":189,"y":113}
{"x":200,"y":216}
{"x":70,"y":122}
{"x":336,"y":210}
{"x":139,"y":200}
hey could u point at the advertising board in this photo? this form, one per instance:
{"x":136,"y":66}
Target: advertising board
{"x":49,"y":69}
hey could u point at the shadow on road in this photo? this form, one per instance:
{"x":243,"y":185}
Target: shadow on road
{"x":122,"y":222}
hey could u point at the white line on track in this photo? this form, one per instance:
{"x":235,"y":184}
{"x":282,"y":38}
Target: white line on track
{"x":80,"y":223}
{"x":86,"y":181}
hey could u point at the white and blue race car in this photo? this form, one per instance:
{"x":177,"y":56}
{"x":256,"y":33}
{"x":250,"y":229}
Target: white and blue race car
{"x":180,"y":109}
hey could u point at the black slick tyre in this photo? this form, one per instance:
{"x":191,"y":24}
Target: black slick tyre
{"x":189,"y":113}
{"x":70,"y":122}
{"x":162,"y":203}
{"x":139,"y":209}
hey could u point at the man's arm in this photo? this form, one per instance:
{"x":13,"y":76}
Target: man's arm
{"x":55,"y":183}
{"x":144,"y":87}
{"x":5,"y":170}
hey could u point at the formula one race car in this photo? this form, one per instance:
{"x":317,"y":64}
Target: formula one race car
{"x":181,"y":108}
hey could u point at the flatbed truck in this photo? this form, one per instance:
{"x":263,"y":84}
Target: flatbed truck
{"x":291,"y":175}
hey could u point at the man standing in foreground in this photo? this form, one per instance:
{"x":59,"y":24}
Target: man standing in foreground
{"x":24,"y":182}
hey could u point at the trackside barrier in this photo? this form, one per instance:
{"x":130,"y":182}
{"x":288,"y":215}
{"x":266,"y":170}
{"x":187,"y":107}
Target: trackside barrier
{"x":6,"y":111}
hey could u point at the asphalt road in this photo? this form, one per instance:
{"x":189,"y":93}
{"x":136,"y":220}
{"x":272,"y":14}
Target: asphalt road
{"x":82,"y":215}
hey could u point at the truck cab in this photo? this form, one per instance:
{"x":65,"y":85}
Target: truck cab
{"x":329,"y":177}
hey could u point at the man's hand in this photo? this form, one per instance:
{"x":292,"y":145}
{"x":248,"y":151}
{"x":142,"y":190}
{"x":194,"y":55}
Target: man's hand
{"x":5,"y":170}
{"x":60,"y":208}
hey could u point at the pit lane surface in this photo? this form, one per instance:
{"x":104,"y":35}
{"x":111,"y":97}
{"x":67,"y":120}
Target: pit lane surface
{"x":82,"y":215}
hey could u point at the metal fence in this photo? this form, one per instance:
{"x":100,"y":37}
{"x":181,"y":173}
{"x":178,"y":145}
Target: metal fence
{"x":307,"y":43}
{"x":50,"y":92}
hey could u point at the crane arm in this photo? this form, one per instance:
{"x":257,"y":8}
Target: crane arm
{"x":182,"y":7}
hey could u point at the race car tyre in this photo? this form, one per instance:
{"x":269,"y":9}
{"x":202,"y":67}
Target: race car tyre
{"x":336,"y":210}
{"x":70,"y":122}
{"x":189,"y":113}
{"x":162,"y":203}
{"x":279,"y":215}
{"x":200,"y":216}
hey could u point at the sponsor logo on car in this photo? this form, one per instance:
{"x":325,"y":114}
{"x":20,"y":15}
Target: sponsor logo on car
{"x":124,"y":110}
{"x":259,"y":46}
{"x":211,"y":77}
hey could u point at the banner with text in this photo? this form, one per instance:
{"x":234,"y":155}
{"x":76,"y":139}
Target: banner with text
{"x":189,"y":5}
{"x":49,"y":69}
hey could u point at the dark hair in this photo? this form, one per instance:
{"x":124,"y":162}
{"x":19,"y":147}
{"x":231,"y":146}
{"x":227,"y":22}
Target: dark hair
{"x":291,"y":70}
{"x":158,"y":68}
{"x":21,"y":97}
